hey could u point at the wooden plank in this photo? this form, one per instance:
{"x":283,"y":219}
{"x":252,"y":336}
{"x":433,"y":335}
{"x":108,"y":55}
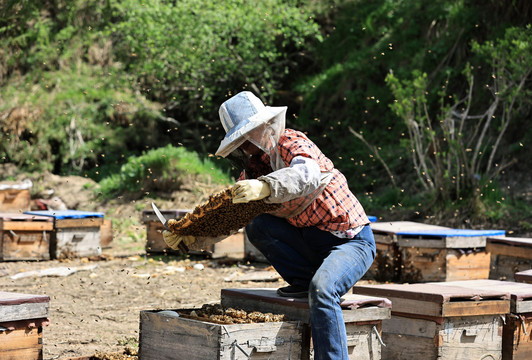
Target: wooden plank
{"x":106,"y":233}
{"x":28,"y":225}
{"x":26,"y":311}
{"x":509,"y":250}
{"x":15,"y":200}
{"x":475,"y":308}
{"x":21,"y":344}
{"x":448,"y":242}
{"x":469,"y":266}
{"x":76,"y":223}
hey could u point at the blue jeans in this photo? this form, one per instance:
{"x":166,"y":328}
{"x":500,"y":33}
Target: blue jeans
{"x":325,"y":264}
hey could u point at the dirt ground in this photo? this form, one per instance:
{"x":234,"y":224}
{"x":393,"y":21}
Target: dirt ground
{"x":96,"y":309}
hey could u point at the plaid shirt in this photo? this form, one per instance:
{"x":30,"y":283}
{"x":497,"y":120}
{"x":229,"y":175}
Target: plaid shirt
{"x":336,"y":208}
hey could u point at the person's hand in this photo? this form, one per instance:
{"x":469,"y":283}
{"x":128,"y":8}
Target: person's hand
{"x":250,"y":190}
{"x":173,"y":240}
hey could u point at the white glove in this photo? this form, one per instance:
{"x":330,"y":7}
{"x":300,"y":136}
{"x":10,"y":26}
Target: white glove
{"x":250,"y":190}
{"x":173,"y":240}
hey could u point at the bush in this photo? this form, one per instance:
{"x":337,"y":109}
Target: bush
{"x":161,"y":170}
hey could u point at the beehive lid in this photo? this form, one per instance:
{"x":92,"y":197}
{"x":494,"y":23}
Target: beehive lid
{"x":23,"y":217}
{"x":356,"y":307}
{"x":514,"y":241}
{"x":394,"y":227}
{"x":149,"y":215}
{"x":524,"y":276}
{"x":17,"y":306}
{"x":520,"y":293}
{"x":66,"y":214}
{"x":431,"y":299}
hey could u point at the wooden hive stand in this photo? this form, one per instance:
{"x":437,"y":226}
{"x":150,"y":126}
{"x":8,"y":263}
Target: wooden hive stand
{"x":435,"y":322}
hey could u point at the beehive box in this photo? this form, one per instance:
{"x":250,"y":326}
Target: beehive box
{"x":22,"y":318}
{"x":388,"y":265}
{"x":230,"y":247}
{"x":76,"y":233}
{"x":425,"y":253}
{"x":166,"y":337}
{"x":154,"y":230}
{"x":508,"y":256}
{"x":15,"y":197}
{"x":363,"y":316}
{"x":431,"y":321}
{"x":25,"y":237}
{"x":516,"y":342}
{"x":524,"y":276}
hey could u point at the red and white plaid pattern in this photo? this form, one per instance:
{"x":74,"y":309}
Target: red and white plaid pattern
{"x":336,"y":209}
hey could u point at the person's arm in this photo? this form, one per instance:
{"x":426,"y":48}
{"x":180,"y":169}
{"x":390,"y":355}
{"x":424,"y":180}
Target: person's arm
{"x":301,"y":178}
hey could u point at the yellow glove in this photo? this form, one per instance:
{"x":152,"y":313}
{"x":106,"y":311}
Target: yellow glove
{"x":250,"y":190}
{"x":173,"y":240}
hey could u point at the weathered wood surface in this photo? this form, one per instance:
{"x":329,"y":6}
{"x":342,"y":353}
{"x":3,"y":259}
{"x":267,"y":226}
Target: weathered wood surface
{"x":21,"y":344}
{"x":435,"y":300}
{"x":357,"y":308}
{"x":15,"y":200}
{"x":164,"y":337}
{"x":434,"y":264}
{"x":106,"y":233}
{"x":75,"y":242}
{"x":524,"y":276}
{"x":17,"y":306}
{"x":463,"y":338}
{"x":520,"y":293}
{"x":79,"y":223}
{"x":516,"y":343}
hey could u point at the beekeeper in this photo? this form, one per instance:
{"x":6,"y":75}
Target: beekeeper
{"x":319,"y":240}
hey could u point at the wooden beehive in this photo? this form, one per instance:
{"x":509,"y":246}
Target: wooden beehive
{"x":154,"y":230}
{"x":516,"y":341}
{"x":524,"y":276}
{"x":25,"y":237}
{"x":431,"y":321}
{"x":423,"y":253}
{"x":363,"y":316}
{"x":388,"y":265}
{"x":22,"y":318}
{"x":76,"y":233}
{"x":508,"y":256}
{"x":166,"y":337}
{"x":14,"y":197}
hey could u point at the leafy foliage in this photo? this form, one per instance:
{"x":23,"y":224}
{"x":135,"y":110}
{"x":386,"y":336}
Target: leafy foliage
{"x":161,"y":170}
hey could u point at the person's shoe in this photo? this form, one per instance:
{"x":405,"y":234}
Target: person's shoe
{"x":293,"y":291}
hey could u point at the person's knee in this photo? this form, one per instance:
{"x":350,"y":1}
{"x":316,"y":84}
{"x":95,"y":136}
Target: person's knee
{"x":257,"y":229}
{"x":321,"y":289}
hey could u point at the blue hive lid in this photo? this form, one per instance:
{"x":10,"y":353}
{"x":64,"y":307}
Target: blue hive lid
{"x":453,"y":232}
{"x":66,"y":214}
